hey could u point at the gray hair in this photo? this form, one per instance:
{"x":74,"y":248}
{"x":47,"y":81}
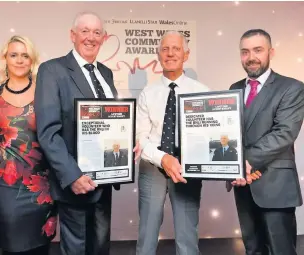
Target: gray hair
{"x":174,"y":32}
{"x":81,"y":14}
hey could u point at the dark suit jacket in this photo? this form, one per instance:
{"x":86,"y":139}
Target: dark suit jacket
{"x":272,"y":124}
{"x":59,"y":81}
{"x":229,"y":155}
{"x":109,"y":159}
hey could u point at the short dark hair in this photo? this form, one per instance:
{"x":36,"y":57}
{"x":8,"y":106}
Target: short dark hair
{"x":253,"y":32}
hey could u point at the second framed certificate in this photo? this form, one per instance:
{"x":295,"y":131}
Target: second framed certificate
{"x":105,"y":139}
{"x":210,"y":135}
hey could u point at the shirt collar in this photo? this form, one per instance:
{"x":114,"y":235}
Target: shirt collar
{"x":178,"y":81}
{"x":261,"y":79}
{"x":81,"y":61}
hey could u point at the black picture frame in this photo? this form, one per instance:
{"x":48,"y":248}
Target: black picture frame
{"x":131,"y":162}
{"x":241,"y":163}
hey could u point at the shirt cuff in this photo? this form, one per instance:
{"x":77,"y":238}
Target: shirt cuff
{"x":157,"y":158}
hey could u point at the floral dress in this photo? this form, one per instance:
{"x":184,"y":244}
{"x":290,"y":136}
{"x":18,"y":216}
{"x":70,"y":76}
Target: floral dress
{"x":27,"y":213}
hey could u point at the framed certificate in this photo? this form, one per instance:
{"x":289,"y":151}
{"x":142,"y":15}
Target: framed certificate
{"x":210,"y":135}
{"x":105,"y":133}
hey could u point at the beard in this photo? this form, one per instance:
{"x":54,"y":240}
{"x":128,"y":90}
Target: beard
{"x":258,"y":72}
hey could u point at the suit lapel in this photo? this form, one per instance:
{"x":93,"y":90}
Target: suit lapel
{"x":81,"y":81}
{"x":261,"y":98}
{"x":78,"y":76}
{"x":241,"y":85}
{"x":109,"y":80}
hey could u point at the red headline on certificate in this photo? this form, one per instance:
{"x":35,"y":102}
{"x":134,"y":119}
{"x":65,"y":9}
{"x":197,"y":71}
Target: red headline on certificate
{"x":222,"y":101}
{"x":116,"y":109}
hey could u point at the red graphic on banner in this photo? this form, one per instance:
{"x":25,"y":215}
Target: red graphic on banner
{"x":136,"y":63}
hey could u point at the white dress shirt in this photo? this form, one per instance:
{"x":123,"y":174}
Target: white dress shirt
{"x":262,"y":79}
{"x":151,"y":111}
{"x":81,"y":62}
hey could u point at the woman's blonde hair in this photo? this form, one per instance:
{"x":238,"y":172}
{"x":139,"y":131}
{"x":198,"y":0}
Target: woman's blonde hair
{"x":33,"y":54}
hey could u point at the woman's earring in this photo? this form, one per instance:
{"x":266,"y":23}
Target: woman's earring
{"x":6,"y":71}
{"x":30,"y":75}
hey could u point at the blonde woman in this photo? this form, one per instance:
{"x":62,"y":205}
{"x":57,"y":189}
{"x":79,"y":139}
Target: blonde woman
{"x":27,"y":213}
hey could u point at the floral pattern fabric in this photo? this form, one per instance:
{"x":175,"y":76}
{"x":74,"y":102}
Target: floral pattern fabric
{"x":22,"y":165}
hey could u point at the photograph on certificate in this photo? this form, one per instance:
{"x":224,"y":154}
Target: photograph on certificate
{"x":116,"y":153}
{"x":223,"y":148}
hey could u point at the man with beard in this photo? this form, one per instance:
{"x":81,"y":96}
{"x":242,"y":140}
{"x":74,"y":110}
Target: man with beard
{"x":273,"y":114}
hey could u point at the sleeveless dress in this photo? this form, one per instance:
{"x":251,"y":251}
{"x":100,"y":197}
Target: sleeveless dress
{"x":27,"y":213}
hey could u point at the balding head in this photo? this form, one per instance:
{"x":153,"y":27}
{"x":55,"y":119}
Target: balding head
{"x":116,"y":146}
{"x":224,"y":140}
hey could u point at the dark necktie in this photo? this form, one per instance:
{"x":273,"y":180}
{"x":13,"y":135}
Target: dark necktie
{"x":253,"y":91}
{"x":168,"y":136}
{"x":115,"y":158}
{"x":98,"y":88}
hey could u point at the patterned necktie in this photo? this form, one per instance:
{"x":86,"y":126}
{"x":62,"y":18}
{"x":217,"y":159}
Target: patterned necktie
{"x":98,"y":88}
{"x":253,"y":91}
{"x":115,"y":157}
{"x":168,"y":136}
